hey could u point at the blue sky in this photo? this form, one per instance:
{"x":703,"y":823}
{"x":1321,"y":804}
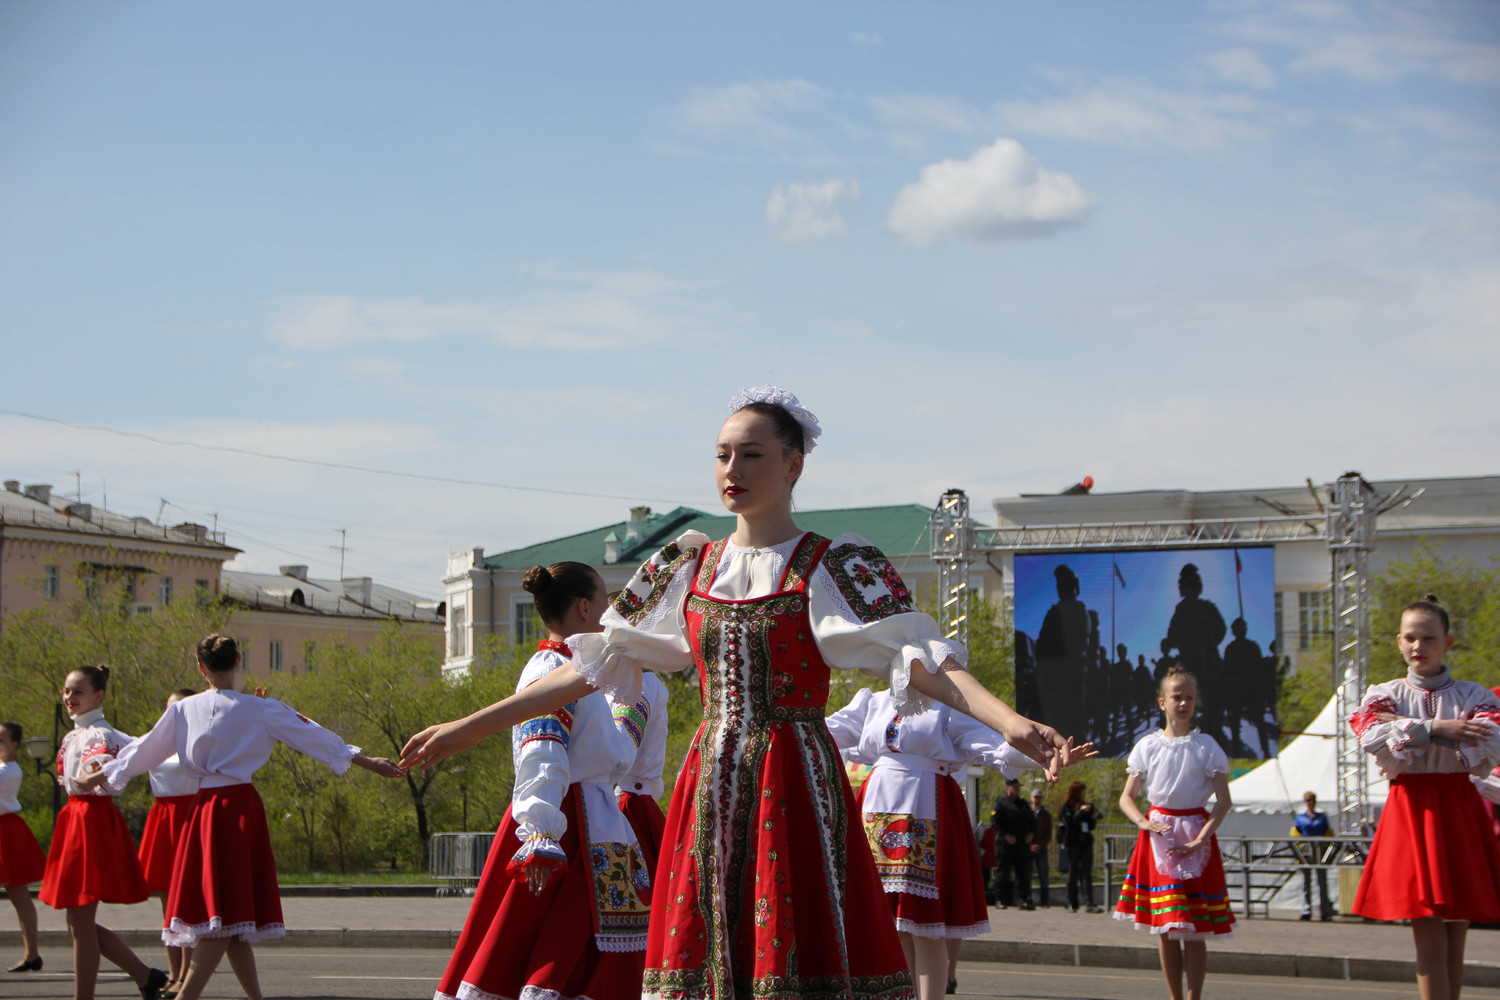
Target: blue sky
{"x":994,"y":246}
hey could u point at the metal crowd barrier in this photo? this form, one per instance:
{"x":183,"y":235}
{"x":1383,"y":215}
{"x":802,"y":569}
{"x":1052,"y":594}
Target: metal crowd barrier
{"x":1255,"y":868}
{"x":459,"y":859}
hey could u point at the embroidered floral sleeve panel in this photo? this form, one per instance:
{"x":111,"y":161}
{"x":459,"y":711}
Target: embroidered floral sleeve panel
{"x":645,"y":723}
{"x":539,"y":748}
{"x":1404,"y":745}
{"x":864,"y":618}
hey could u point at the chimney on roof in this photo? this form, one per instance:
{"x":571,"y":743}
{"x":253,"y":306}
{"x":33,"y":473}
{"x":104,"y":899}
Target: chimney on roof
{"x":357,"y":588}
{"x":635,"y":528}
{"x":82,"y":511}
{"x":40,"y":492}
{"x":13,"y":486}
{"x":198,"y":532}
{"x":298,"y":572}
{"x":611,"y":549}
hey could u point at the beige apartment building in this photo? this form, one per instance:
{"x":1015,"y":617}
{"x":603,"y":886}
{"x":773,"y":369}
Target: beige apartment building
{"x":50,"y":547}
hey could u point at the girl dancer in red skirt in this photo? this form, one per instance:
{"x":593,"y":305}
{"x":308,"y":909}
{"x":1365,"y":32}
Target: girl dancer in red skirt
{"x":224,"y":894}
{"x":772,"y":890}
{"x":564,"y":901}
{"x":646,"y":724}
{"x":174,"y":791}
{"x":1434,"y":860}
{"x":92,"y":858}
{"x":917,"y":824}
{"x":21,"y":859}
{"x":1175,"y":885}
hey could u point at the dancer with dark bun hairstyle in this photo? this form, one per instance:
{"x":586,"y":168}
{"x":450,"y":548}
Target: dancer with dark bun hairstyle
{"x":1434,"y":860}
{"x":92,"y":859}
{"x":770,"y":890}
{"x":21,"y":859}
{"x":224,"y":895}
{"x":564,"y":901}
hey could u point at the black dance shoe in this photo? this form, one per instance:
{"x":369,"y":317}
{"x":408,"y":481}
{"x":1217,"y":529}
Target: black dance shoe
{"x":156,"y":979}
{"x":29,"y":965}
{"x":952,"y":986}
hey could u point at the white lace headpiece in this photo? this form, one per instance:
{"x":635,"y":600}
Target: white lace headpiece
{"x":811,"y":429}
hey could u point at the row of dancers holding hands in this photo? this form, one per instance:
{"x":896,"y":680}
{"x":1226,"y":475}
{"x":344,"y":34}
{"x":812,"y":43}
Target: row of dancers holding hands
{"x":768,"y":875}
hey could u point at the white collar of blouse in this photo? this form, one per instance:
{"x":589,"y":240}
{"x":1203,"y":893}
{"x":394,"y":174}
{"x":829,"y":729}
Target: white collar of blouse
{"x":88,"y":718}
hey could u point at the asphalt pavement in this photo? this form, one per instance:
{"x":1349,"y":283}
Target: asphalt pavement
{"x":1343,"y":949}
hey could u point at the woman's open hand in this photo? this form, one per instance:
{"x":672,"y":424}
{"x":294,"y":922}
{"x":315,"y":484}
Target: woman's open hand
{"x":436,"y":743}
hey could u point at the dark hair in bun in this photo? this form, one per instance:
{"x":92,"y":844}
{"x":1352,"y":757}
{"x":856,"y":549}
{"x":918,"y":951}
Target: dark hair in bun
{"x":788,"y":431}
{"x":98,"y":676}
{"x":556,"y":587}
{"x":218,"y":652}
{"x":1432,"y":606}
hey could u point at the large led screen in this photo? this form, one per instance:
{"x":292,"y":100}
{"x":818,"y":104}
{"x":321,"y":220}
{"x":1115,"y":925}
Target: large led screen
{"x":1095,"y":631}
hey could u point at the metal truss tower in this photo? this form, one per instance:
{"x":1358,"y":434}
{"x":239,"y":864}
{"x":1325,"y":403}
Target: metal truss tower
{"x":953,"y":538}
{"x":1351,"y":536}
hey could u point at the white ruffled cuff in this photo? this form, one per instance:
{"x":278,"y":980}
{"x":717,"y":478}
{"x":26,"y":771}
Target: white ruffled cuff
{"x":931,"y":654}
{"x":607,"y":670}
{"x":1406,"y":738}
{"x":541,"y":850}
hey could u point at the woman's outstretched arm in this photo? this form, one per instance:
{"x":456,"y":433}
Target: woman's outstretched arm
{"x":958,"y":689}
{"x":545,"y":695}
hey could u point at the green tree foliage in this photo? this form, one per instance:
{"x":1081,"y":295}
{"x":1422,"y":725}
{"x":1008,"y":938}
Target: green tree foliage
{"x":1469,"y":591}
{"x":149,"y":656}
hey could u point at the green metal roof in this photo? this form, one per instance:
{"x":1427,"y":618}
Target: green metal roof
{"x":897,"y":530}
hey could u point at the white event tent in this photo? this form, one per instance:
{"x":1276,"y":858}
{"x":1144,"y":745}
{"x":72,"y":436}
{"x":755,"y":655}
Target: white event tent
{"x":1266,"y":798}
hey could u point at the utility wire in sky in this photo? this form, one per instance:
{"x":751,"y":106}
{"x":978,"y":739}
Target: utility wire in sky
{"x":336,"y":465}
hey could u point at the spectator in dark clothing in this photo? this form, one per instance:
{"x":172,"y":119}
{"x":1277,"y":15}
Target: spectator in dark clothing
{"x":1041,"y":845}
{"x":1016,"y":825}
{"x":1075,"y":832}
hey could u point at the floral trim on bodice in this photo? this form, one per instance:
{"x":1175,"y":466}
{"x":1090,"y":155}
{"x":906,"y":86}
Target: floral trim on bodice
{"x":650,"y":582}
{"x":868,"y":582}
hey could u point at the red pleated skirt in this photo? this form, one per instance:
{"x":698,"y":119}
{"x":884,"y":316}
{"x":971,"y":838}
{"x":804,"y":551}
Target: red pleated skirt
{"x":224,"y":874}
{"x":959,"y":910}
{"x":21,"y":859}
{"x":649,"y":824}
{"x":514,"y":941}
{"x":1434,"y":854}
{"x":1194,"y":909}
{"x":92,"y":859}
{"x":165,"y":822}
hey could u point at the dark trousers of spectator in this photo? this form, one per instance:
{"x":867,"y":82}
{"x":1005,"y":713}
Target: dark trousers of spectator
{"x":1043,"y":876}
{"x":1325,"y":908}
{"x":1015,"y":873}
{"x":1081,"y":873}
{"x":987,"y":879}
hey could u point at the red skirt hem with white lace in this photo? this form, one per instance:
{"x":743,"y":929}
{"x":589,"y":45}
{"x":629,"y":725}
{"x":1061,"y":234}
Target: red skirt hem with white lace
{"x":1434,"y":854}
{"x":165,"y":822}
{"x":543,"y":945}
{"x":224,"y":874}
{"x":1193,"y":909}
{"x":92,"y":858}
{"x":21,"y":859}
{"x":958,"y":909}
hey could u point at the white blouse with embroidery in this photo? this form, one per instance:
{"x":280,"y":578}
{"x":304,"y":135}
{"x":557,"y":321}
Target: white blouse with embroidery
{"x":644,"y":774}
{"x":1405,"y":745}
{"x":886,"y":646}
{"x":577,"y":744}
{"x":870,"y":730}
{"x":1179,"y":770}
{"x":222,"y":738}
{"x":88,"y":746}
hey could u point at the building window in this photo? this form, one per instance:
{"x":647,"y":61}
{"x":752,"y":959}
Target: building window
{"x":127,"y":581}
{"x":1314,"y":617}
{"x":526,"y":625}
{"x":49,"y":582}
{"x":457,"y":644}
{"x":274,"y":648}
{"x":164,"y":591}
{"x":309,"y":664}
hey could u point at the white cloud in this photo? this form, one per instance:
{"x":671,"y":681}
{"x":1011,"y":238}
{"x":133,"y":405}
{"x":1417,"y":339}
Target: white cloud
{"x":799,"y":211}
{"x":1141,"y":115}
{"x":561,"y":309}
{"x":1241,"y":66}
{"x":748,"y":113}
{"x":866,"y":41}
{"x":1000,"y":192}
